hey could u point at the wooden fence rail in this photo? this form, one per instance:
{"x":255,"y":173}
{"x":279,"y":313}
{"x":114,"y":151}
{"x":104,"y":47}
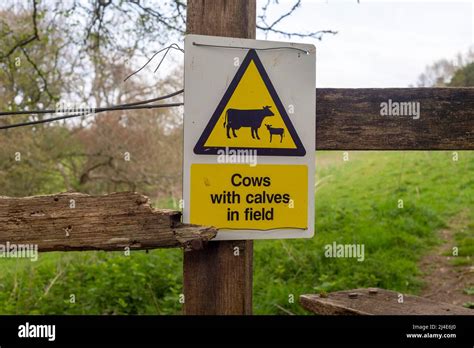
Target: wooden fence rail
{"x":218,"y":279}
{"x":346,"y":119}
{"x":350,"y":119}
{"x":75,"y":221}
{"x":375,"y":301}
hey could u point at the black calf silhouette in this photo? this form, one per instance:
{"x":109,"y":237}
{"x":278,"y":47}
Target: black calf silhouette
{"x":276,"y":131}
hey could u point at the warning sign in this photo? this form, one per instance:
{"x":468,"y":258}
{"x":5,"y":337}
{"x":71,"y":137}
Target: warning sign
{"x":249,"y":137}
{"x":245,"y":197}
{"x":251,"y":116}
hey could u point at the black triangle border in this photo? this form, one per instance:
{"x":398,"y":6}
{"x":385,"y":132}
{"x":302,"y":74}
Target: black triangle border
{"x":200,"y":149}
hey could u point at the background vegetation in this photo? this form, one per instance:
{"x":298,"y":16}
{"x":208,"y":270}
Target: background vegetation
{"x":70,"y":51}
{"x":356,"y":202}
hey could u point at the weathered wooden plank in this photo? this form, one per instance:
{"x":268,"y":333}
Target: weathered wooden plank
{"x":75,"y":221}
{"x":377,"y":302}
{"x":218,"y":279}
{"x":349,"y":119}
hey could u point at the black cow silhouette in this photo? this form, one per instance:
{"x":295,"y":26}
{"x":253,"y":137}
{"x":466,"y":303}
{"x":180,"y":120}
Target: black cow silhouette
{"x":236,"y":119}
{"x":276,"y":131}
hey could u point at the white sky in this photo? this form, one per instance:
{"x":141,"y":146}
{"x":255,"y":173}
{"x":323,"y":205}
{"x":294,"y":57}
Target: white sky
{"x":379,"y":43}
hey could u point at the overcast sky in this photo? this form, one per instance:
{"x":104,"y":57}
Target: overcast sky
{"x":379,"y":43}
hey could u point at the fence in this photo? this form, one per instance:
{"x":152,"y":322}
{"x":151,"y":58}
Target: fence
{"x":216,"y":281}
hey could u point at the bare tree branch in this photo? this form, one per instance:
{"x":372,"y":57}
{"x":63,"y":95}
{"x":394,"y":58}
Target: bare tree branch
{"x":163,"y":19}
{"x":318,"y":35}
{"x":40,"y":74}
{"x":26,"y":41}
{"x":295,"y":6}
{"x":267,"y":28}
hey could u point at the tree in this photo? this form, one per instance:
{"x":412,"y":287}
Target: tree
{"x":442,"y":72}
{"x":80,"y":52}
{"x":463,"y":77}
{"x":88,"y":155}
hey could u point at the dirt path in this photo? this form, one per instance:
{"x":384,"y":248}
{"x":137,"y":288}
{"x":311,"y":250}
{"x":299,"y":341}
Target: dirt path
{"x":445,"y":282}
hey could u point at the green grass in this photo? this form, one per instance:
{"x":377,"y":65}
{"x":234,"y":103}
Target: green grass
{"x":469,"y":291}
{"x":464,"y":241}
{"x":101,"y":283}
{"x":356,"y":202}
{"x":469,"y":304}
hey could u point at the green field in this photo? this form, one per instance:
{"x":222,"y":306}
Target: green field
{"x":357,"y":201}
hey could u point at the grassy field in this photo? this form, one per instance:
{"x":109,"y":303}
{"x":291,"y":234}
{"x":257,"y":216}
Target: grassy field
{"x":357,"y":201}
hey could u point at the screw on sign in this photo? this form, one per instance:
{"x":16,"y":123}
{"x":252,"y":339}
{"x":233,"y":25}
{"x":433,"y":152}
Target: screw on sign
{"x":264,"y":109}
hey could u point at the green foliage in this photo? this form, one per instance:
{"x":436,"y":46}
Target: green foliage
{"x":463,"y":77}
{"x":31,"y":163}
{"x":101,"y":283}
{"x":469,"y":291}
{"x":469,"y":305}
{"x":464,"y":241}
{"x":356,"y":202}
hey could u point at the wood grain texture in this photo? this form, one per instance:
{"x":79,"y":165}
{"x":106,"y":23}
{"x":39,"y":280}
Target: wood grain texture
{"x":231,"y":18}
{"x":215,"y":280}
{"x":349,"y":119}
{"x":109,"y":222}
{"x":383,"y":302}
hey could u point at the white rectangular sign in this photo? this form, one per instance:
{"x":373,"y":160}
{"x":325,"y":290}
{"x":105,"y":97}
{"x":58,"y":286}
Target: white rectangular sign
{"x":249,"y":137}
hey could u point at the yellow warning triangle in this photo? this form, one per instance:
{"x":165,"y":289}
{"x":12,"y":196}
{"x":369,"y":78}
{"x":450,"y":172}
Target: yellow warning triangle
{"x":251,"y":116}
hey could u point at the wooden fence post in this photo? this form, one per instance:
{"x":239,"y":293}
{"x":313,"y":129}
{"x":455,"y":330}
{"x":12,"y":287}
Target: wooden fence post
{"x":218,"y":279}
